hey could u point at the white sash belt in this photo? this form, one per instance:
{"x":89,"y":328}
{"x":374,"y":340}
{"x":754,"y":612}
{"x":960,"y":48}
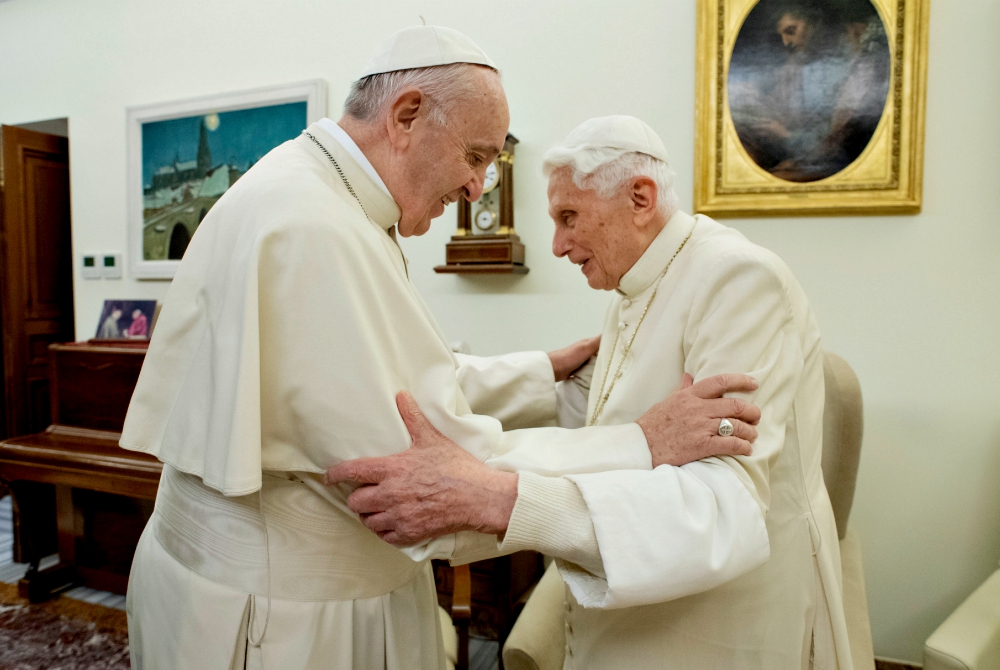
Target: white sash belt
{"x":316,"y":551}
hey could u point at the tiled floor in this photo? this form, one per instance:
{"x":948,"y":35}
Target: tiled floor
{"x":482,"y":653}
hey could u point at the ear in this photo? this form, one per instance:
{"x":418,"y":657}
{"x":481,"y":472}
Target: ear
{"x":404,"y":113}
{"x":643,"y":196}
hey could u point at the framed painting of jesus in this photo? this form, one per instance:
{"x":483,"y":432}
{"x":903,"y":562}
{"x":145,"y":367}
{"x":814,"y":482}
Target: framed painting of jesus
{"x":810,"y":107}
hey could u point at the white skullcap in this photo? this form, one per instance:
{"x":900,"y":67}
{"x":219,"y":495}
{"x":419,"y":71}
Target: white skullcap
{"x":424,"y":46}
{"x":625,"y":133}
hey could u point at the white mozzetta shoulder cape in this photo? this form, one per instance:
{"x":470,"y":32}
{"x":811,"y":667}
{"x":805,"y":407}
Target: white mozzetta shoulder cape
{"x":290,"y":327}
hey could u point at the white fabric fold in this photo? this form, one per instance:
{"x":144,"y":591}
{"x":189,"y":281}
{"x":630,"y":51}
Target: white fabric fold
{"x":572,"y":394}
{"x":517,"y":389}
{"x":700,"y":528}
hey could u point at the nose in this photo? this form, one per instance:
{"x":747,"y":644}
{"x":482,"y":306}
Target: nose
{"x":474,"y":187}
{"x":786,"y":39}
{"x":561,"y":244}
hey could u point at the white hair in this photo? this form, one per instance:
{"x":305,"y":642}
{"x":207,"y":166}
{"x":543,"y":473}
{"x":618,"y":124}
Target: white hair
{"x":606,"y":171}
{"x":442,"y":85}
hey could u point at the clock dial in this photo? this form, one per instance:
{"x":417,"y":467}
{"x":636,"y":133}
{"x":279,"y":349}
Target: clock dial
{"x":492,"y":178}
{"x":485,"y":219}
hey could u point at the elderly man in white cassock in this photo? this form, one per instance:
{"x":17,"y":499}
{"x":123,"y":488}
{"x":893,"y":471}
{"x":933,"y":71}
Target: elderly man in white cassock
{"x":728,"y":562}
{"x":289,"y":329}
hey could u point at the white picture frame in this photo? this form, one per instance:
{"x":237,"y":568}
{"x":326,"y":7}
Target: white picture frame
{"x":151,"y":265}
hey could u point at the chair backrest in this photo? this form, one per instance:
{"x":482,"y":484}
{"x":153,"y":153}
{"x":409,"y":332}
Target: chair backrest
{"x":843,"y":425}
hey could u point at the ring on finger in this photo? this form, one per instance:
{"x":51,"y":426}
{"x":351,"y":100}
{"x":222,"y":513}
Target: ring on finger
{"x":726,"y":428}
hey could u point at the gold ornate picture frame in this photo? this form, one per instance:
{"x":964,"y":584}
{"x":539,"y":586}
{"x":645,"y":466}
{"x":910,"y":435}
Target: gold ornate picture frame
{"x":788,"y":113}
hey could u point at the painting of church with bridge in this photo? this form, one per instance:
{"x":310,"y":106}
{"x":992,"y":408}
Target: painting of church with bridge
{"x":189,"y":162}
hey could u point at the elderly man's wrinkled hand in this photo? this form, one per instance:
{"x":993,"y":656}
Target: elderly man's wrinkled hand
{"x":569,"y":359}
{"x":685,"y":427}
{"x":434,"y":488}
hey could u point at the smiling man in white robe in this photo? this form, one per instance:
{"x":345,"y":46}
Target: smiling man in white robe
{"x":249,"y":560}
{"x":729,"y":562}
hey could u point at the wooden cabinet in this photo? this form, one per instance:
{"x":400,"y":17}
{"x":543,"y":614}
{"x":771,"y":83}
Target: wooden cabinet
{"x":103,"y":493}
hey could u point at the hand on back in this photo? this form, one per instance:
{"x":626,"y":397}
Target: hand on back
{"x":685,"y":426}
{"x":569,"y":359}
{"x":435,"y":487}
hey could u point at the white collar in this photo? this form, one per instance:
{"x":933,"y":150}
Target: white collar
{"x":657,"y":256}
{"x":345,"y":141}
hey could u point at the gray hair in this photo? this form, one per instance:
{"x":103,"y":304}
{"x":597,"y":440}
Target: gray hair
{"x":606,"y":171}
{"x":443,"y":85}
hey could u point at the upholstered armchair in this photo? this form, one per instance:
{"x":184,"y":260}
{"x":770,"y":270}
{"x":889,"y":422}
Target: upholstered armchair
{"x":969,"y":639}
{"x":538,"y":639}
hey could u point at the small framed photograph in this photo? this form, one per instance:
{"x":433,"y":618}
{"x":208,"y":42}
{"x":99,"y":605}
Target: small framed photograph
{"x":126,"y":320}
{"x":810,"y":107}
{"x":182,"y":156}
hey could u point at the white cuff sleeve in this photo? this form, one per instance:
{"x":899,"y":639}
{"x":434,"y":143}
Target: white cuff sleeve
{"x":551,"y":516}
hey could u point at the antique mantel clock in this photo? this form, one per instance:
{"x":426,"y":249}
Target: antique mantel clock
{"x":485,"y":242}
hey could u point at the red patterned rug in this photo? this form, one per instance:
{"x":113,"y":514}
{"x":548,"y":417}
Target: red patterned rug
{"x":62,"y":633}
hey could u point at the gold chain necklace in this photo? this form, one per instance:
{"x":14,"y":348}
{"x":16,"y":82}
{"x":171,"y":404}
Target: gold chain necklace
{"x":603,"y":397}
{"x":350,"y":189}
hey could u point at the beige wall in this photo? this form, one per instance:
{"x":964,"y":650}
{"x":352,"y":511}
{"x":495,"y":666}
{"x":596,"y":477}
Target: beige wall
{"x":911,"y":301}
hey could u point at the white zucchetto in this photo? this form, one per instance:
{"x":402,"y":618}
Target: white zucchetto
{"x":424,"y":46}
{"x":625,"y":133}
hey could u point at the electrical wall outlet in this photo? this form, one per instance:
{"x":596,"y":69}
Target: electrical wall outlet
{"x":111,"y":266}
{"x":89,"y":269}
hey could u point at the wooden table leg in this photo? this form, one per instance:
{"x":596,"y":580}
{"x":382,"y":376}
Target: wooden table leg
{"x":66,"y":524}
{"x":461,"y":612}
{"x":38,"y":585}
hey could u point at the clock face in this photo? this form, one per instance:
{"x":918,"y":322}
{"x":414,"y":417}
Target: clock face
{"x":485,"y":219}
{"x":492,"y":178}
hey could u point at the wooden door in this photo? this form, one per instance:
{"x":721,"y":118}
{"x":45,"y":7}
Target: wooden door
{"x":36,"y":271}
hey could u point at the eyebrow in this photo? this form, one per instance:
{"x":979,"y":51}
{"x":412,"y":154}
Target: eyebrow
{"x":487,"y":149}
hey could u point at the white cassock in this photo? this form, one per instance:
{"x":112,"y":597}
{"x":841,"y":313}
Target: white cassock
{"x":289,"y":328}
{"x":728,"y":562}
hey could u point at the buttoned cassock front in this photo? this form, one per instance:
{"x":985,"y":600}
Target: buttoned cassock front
{"x":728,"y":562}
{"x":289,"y":328}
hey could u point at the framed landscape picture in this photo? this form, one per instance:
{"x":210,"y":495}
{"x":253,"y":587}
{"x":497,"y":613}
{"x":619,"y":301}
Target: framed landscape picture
{"x":810,"y":107}
{"x":182,"y":156}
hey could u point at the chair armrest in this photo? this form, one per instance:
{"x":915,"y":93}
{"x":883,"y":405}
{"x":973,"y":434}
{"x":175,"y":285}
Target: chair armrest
{"x":461,"y":597}
{"x":859,"y":627}
{"x":969,"y":639}
{"x":538,"y":639}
